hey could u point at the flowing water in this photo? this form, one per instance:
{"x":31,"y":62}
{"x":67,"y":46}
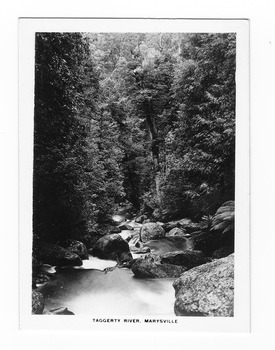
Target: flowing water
{"x":98,"y":287}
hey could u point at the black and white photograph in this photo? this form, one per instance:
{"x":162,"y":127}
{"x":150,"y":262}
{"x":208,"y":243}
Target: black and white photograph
{"x":136,"y":175}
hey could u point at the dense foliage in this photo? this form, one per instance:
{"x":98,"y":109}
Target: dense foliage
{"x":146,"y":120}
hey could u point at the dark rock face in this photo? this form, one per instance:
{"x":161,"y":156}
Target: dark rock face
{"x":149,"y":267}
{"x":223,"y":252}
{"x":206,"y":290}
{"x":175,"y":232}
{"x":112,"y":247}
{"x":38,"y":303}
{"x":151,"y":231}
{"x":208,"y":242}
{"x":75,"y":247}
{"x":187,"y":258}
{"x":55,"y":255}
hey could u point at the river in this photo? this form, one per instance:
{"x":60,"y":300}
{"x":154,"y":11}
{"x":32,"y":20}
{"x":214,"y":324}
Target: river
{"x":89,"y":290}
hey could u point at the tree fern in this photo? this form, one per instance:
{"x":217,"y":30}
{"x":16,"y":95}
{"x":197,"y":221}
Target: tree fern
{"x":224,"y":218}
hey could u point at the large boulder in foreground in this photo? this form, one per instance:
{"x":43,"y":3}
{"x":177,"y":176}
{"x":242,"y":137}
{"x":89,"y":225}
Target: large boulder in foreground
{"x":75,"y":247}
{"x":151,"y":231}
{"x":55,"y":255}
{"x":206,"y":290}
{"x":38,"y":303}
{"x":150,"y":267}
{"x":187,"y":258}
{"x":112,"y":247}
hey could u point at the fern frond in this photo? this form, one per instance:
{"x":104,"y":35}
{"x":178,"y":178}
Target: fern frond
{"x":223,"y":220}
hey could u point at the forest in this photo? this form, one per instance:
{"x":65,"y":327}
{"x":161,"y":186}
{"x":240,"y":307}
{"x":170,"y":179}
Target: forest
{"x":140,"y":122}
{"x":134,"y":174}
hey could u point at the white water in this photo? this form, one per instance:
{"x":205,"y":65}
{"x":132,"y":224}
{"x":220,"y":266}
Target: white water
{"x":96,"y":264}
{"x":93,"y":292}
{"x":90,"y":290}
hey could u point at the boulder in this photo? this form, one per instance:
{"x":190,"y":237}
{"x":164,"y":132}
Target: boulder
{"x":55,"y":255}
{"x":187,"y":258}
{"x":223,"y":252}
{"x":75,"y":247}
{"x":140,"y":219}
{"x":112,"y":247}
{"x":186,"y":225}
{"x":61,"y":311}
{"x":175,"y":232}
{"x":148,"y":221}
{"x":151,"y":231}
{"x":38,"y":303}
{"x":206,"y":290}
{"x":148,"y":267}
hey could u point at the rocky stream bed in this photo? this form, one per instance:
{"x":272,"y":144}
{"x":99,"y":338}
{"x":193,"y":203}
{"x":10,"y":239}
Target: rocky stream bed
{"x":138,"y":268}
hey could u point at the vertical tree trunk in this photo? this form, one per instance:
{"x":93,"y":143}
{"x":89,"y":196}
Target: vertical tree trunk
{"x":155,"y":153}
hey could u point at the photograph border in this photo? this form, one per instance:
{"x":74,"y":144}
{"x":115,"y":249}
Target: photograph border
{"x":27,"y":27}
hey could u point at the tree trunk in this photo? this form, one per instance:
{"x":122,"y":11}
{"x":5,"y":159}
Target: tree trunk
{"x":155,"y":153}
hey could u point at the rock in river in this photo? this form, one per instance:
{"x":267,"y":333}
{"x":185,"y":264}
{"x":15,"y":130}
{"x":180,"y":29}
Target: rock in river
{"x":151,"y":231}
{"x":75,"y":247}
{"x":55,"y":255}
{"x":61,"y":311}
{"x":206,"y":290}
{"x":175,"y":232}
{"x":112,"y":247}
{"x":140,"y":219}
{"x":186,"y":225}
{"x":150,"y":267}
{"x":187,"y":258}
